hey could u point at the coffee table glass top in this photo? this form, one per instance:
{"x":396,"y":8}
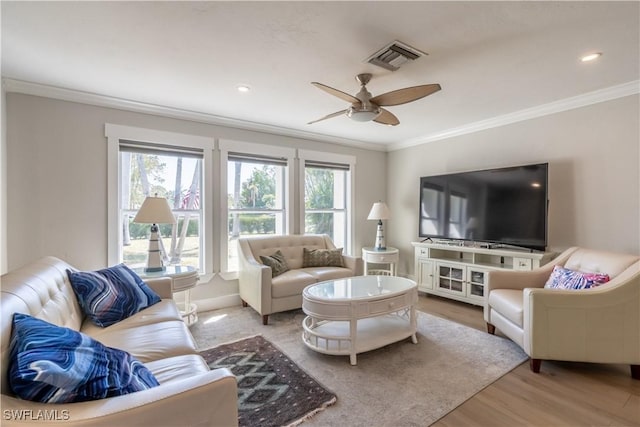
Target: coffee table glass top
{"x":359,"y":287}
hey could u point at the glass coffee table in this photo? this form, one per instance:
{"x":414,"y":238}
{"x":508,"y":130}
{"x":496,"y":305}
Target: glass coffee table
{"x":358,"y":314}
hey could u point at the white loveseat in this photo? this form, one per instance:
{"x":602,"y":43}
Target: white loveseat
{"x":599,"y":325}
{"x":189,"y":394}
{"x":269,"y":295}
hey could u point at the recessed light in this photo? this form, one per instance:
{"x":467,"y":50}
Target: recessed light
{"x":243,"y":88}
{"x":591,"y":57}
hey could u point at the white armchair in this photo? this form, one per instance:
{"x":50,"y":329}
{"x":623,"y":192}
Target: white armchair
{"x":599,"y":325}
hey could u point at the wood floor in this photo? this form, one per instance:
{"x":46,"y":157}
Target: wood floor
{"x":562,"y":394}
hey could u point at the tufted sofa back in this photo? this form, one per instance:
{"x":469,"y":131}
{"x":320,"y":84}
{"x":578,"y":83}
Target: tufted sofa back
{"x":290,"y":245}
{"x":40,"y":289}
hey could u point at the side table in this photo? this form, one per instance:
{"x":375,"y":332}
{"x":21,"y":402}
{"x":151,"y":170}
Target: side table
{"x":389,"y":256}
{"x":183,"y":279}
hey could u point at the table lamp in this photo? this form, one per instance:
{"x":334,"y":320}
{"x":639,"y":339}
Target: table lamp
{"x":379,"y":211}
{"x":154,"y":210}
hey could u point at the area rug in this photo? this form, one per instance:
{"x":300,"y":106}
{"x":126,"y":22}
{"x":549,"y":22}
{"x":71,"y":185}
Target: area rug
{"x":272,"y":389}
{"x":400,"y":385}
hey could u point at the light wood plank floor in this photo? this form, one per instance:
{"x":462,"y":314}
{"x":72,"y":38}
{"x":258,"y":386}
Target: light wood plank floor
{"x":562,"y":394}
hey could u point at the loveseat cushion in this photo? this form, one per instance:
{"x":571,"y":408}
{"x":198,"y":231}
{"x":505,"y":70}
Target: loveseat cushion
{"x":112,"y":294}
{"x":53,"y":364}
{"x":291,"y":283}
{"x":328,"y":273}
{"x":177,"y":368}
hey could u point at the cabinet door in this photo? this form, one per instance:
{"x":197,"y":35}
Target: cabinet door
{"x":476,"y":281}
{"x":425,"y":274}
{"x":451,"y":278}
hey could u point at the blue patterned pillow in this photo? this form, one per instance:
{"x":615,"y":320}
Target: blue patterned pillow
{"x":52,"y":364}
{"x":110,"y":295}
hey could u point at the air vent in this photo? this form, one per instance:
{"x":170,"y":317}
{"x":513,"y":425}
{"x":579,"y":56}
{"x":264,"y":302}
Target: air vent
{"x":394,"y":55}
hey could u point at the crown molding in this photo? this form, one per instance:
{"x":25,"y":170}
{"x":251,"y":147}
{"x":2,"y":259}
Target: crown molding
{"x":586,"y":99}
{"x":37,"y":89}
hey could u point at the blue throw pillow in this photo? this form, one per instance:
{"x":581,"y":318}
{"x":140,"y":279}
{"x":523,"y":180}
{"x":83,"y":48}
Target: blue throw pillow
{"x":110,"y":295}
{"x":52,"y":364}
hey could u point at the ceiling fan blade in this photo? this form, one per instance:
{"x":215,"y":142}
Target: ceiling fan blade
{"x":402,"y":96}
{"x":335,"y":92}
{"x":328,"y":116}
{"x":387,"y":118}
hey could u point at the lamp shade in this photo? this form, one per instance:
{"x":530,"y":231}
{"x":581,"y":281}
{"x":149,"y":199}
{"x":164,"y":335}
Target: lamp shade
{"x":155,"y":210}
{"x":379,"y":211}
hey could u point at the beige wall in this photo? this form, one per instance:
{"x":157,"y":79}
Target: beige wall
{"x":57,"y":178}
{"x":593,"y":155}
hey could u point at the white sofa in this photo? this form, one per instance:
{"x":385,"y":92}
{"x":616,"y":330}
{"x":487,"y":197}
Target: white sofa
{"x":599,"y":325}
{"x":189,"y":394}
{"x":269,"y":295}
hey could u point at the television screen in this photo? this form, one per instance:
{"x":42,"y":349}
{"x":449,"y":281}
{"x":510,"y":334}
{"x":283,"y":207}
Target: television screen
{"x":506,"y":205}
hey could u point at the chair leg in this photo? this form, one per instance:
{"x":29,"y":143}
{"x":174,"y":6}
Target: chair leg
{"x":491,"y":329}
{"x":635,"y":372}
{"x":265,"y":319}
{"x":244,"y":303}
{"x":534,"y":364}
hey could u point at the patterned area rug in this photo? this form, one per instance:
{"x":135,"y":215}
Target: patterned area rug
{"x":272,"y":389}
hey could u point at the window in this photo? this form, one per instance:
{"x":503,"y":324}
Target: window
{"x":257,"y":183}
{"x":144,"y":162}
{"x":327,"y":195}
{"x":147,"y":170}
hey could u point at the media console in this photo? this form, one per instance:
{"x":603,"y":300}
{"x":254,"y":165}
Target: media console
{"x":460,"y":272}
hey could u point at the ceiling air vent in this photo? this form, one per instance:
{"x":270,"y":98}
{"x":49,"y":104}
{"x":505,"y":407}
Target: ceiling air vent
{"x":394,"y":55}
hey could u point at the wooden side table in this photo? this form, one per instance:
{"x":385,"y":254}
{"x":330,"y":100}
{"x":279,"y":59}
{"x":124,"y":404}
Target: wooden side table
{"x":389,"y":256}
{"x":183,"y":279}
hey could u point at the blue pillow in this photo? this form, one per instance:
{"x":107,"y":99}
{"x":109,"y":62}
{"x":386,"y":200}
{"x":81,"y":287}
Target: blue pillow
{"x":52,"y":364}
{"x":110,"y":295}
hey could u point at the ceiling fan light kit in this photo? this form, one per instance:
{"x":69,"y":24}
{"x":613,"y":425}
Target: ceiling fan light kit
{"x":365,"y":108}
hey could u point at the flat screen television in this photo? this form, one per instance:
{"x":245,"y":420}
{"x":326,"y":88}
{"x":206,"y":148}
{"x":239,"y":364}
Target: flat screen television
{"x":505,"y":206}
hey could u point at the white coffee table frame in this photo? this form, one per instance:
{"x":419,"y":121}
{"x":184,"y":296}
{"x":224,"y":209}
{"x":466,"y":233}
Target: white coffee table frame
{"x":359,"y":314}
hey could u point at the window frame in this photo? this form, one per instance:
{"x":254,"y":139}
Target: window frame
{"x":114,"y":134}
{"x":232,"y":146}
{"x":328,"y":158}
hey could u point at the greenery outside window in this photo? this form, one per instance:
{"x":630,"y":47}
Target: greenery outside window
{"x":327,"y":195}
{"x":257,"y":179}
{"x":176,"y":175}
{"x":177,"y":166}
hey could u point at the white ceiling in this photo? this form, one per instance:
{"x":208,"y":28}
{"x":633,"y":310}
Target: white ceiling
{"x":493,"y":59}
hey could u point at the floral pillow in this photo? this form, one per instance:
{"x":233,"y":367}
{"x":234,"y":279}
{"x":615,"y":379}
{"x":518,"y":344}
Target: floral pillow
{"x":53,"y":364}
{"x":563,"y":278}
{"x":277,"y":263}
{"x":322,"y":258}
{"x":112,"y":294}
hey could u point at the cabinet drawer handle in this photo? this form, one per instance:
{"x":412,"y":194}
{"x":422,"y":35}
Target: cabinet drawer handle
{"x":391,"y":304}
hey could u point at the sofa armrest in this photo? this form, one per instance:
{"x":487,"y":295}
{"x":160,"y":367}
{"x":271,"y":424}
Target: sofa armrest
{"x":208,"y":399}
{"x":161,"y":286}
{"x":354,"y":264}
{"x":254,"y":280}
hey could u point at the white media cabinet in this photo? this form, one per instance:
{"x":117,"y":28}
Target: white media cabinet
{"x":458,"y":270}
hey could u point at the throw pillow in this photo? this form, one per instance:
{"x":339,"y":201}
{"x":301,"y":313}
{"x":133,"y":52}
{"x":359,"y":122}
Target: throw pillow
{"x":53,"y":364}
{"x":112,"y":294}
{"x":322,"y":257}
{"x":277,"y":263}
{"x":563,"y":278}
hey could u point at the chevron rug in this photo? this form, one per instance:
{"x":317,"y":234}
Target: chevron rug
{"x":272,"y":389}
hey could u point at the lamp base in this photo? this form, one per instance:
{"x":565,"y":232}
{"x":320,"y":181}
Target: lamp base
{"x":154,"y":256}
{"x":380,"y":243}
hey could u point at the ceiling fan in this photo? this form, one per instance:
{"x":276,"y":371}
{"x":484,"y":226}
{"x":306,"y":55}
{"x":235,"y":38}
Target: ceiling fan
{"x":365,"y":108}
